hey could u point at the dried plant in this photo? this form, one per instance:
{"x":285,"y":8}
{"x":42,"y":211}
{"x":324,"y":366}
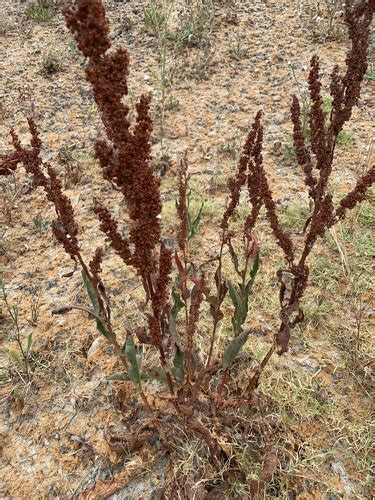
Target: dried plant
{"x":175,"y":287}
{"x":72,"y":168}
{"x":10,"y":192}
{"x":20,"y":356}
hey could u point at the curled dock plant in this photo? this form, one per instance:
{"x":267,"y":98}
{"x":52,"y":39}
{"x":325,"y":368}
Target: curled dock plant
{"x":177,"y":289}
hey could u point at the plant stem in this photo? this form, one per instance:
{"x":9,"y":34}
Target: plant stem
{"x":216,"y":320}
{"x":163,"y":360}
{"x":253,"y":383}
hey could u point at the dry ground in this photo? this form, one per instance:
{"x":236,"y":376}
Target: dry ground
{"x":251,"y":55}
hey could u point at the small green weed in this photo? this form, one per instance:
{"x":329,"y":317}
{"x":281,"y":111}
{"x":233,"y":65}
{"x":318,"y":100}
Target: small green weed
{"x":39,"y":223}
{"x":72,"y":47}
{"x":21,"y":355}
{"x":195,"y":26}
{"x":237,"y":52}
{"x":229,"y":148}
{"x":40,"y":11}
{"x":370,"y":73}
{"x":50,"y":64}
{"x":172,"y":104}
{"x":155,"y":20}
{"x":366,"y":215}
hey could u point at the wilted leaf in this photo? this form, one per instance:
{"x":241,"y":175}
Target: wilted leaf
{"x":233,"y":256}
{"x":100,"y":325}
{"x":234,"y":348}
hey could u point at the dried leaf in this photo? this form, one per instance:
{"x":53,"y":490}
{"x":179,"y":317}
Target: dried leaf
{"x":185,"y":294}
{"x":269,"y":466}
{"x":143,"y":336}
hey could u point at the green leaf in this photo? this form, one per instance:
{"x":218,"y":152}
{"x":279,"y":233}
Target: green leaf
{"x":194,"y":226}
{"x":240,"y":309}
{"x":253,"y":274}
{"x":234,"y":348}
{"x":29,"y":342}
{"x":15,"y":355}
{"x":131,"y":354}
{"x":177,"y":303}
{"x":15,"y":311}
{"x":100,"y":325}
{"x":102,"y":328}
{"x":91,"y":291}
{"x":178,"y":362}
